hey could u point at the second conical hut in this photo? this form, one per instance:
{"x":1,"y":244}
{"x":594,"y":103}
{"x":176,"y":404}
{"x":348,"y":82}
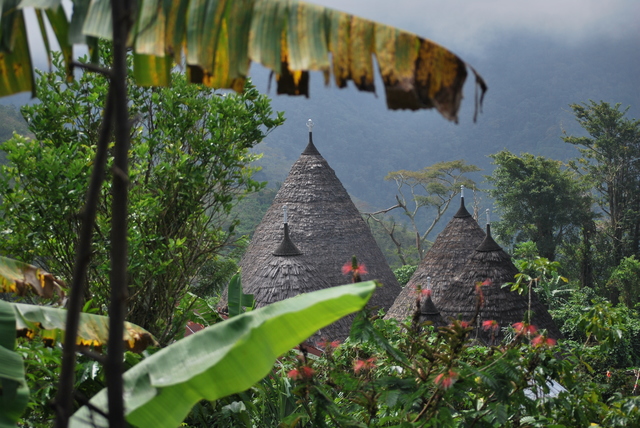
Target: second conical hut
{"x":444,"y":260}
{"x":327,"y":230}
{"x":500,"y":307}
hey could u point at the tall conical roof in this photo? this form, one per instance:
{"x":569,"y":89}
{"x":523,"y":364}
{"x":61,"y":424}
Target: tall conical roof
{"x":489,"y":262}
{"x":444,"y":260}
{"x":327,"y":229}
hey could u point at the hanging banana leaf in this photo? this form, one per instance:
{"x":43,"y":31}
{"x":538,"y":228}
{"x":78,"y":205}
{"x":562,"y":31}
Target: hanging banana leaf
{"x":220,"y":38}
{"x":93,"y":330}
{"x":226,"y":358}
{"x":22,"y":278}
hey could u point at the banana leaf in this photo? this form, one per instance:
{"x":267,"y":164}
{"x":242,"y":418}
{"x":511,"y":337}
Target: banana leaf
{"x":223,"y":359}
{"x":22,"y":278}
{"x":93,"y":330}
{"x":14,"y":392}
{"x":220,"y":38}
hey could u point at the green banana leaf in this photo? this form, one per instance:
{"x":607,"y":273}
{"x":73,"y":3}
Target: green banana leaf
{"x":14,"y":392}
{"x":220,"y":38}
{"x":237,"y":300}
{"x":223,"y":359}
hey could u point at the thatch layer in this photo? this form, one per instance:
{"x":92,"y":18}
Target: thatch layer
{"x":506,"y":307}
{"x":327,"y":228}
{"x":444,"y":260}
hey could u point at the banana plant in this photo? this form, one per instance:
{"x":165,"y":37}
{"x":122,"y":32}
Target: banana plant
{"x":226,"y":358}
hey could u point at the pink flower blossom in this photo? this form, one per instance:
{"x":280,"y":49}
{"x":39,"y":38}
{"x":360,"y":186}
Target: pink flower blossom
{"x":541,"y":340}
{"x":304,"y":372}
{"x":525,"y":328}
{"x":348,"y":268}
{"x":422,"y":292}
{"x":445,"y":380}
{"x":490,"y":325}
{"x":368,"y":364}
{"x":329,"y":345}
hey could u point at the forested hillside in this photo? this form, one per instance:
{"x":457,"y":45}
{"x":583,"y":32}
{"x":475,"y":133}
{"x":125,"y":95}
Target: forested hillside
{"x":531,"y":84}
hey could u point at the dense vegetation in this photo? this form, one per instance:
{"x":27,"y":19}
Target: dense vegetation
{"x":189,"y":166}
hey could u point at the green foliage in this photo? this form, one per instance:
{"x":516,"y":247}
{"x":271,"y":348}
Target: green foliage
{"x":251,"y":210}
{"x":224,"y":359}
{"x":403,"y":273}
{"x":14,"y":392}
{"x":626,"y":280}
{"x":538,"y":200}
{"x":238,"y":302}
{"x":189,"y":165}
{"x":608,"y":335}
{"x":12,"y":122}
{"x":611,"y":163}
{"x":441,"y":380}
{"x":540,"y":275}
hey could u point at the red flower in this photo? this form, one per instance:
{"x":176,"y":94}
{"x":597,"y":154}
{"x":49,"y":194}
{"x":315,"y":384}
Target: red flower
{"x":541,"y":340}
{"x":608,"y":373}
{"x":368,"y":364}
{"x":464,"y":324}
{"x":329,"y":345}
{"x":445,"y":380}
{"x":304,"y":372}
{"x":348,"y":268}
{"x":524,"y":328}
{"x":423,"y":292}
{"x":490,"y":325}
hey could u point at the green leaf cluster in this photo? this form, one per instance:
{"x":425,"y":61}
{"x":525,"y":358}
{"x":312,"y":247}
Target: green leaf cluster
{"x":189,"y":165}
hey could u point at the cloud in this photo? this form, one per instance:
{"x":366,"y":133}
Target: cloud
{"x":465,"y":25}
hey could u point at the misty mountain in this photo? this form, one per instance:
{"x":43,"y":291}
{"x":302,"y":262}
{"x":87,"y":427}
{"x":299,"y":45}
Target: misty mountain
{"x":531,"y":83}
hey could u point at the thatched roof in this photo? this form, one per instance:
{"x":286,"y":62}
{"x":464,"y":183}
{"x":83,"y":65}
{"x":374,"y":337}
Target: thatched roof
{"x":459,"y":298}
{"x":326,"y":227}
{"x":445,"y":259}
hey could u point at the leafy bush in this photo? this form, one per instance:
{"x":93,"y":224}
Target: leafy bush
{"x":403,"y":274}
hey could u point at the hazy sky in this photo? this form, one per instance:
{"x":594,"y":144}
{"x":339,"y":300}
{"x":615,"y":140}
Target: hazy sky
{"x":467,"y":25}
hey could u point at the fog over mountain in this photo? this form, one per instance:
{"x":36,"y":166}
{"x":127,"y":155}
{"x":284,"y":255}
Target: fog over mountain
{"x":532,"y":80}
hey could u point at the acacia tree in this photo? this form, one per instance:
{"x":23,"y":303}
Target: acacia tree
{"x":611,"y":163}
{"x":429,"y":190}
{"x":189,"y":164}
{"x":538,"y":200}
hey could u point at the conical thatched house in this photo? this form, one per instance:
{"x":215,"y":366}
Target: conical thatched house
{"x":327,"y":230}
{"x":444,"y":260}
{"x":460,"y":297}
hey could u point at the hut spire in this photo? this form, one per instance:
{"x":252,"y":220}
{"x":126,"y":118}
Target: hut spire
{"x":462,"y":211}
{"x":311,"y":148}
{"x":428,"y":310}
{"x":286,"y":247}
{"x":488,"y":244}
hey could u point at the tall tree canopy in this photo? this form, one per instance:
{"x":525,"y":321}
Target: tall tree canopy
{"x":538,"y":200}
{"x":189,"y":165}
{"x":611,"y":163}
